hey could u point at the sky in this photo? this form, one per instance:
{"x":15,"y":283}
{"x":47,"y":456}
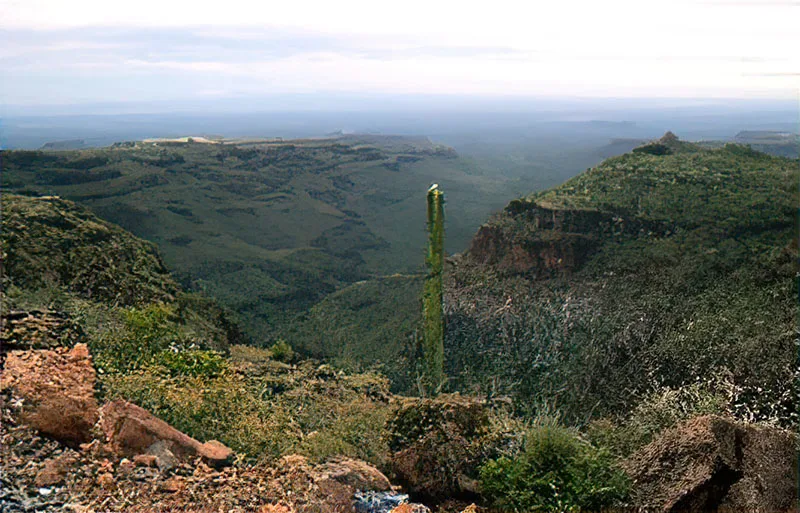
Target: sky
{"x":58,"y":52}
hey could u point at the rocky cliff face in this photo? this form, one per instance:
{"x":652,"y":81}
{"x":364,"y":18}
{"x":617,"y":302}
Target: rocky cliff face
{"x":529,"y":238}
{"x":561,"y":252}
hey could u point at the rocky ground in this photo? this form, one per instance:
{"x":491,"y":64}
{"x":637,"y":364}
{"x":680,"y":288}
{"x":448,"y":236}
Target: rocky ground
{"x":42,"y":475}
{"x":61,"y":451}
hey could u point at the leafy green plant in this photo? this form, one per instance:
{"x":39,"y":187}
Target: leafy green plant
{"x":192,"y":362}
{"x":143,"y":333}
{"x":556,"y":471}
{"x":282,"y":351}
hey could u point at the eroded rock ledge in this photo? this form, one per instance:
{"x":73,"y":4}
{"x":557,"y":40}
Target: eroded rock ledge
{"x":529,"y":238}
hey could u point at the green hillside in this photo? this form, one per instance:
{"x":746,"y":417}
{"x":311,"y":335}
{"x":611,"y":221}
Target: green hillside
{"x":49,"y":243}
{"x":668,"y":267}
{"x":61,"y":260}
{"x":271,"y":227}
{"x":370,"y":324}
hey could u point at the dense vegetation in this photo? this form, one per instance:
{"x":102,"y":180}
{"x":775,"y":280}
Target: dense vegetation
{"x":684,"y":291}
{"x":270,"y":228}
{"x":681,"y":275}
{"x":674,"y":294}
{"x":283,"y":233}
{"x":370,"y":325}
{"x":52,"y":243}
{"x":556,"y":470}
{"x":657,"y":286}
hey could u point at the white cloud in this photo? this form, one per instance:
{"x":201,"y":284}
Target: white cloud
{"x":586,"y":47}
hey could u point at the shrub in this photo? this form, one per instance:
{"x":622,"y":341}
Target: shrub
{"x":557,"y":470}
{"x":143,"y":333}
{"x":653,"y":149}
{"x":192,"y":362}
{"x":249,"y":354}
{"x":662,"y":409}
{"x":282,"y":351}
{"x":438,"y":444}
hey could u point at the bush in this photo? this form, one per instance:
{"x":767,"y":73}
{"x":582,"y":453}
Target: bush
{"x":662,"y":409}
{"x":438,"y":444}
{"x":191,"y":362}
{"x":143,"y":333}
{"x":557,"y":470}
{"x":282,"y":351}
{"x":653,"y":149}
{"x":249,"y":354}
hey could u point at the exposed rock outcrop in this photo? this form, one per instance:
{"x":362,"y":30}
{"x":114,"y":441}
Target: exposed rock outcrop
{"x":41,"y":475}
{"x":130,"y":430}
{"x":355,"y":473}
{"x":531,"y":238}
{"x":716,"y":464}
{"x":437,"y":445}
{"x":55,"y":470}
{"x":344,"y":485}
{"x":37,"y":329}
{"x":56,"y":391}
{"x":491,"y":246}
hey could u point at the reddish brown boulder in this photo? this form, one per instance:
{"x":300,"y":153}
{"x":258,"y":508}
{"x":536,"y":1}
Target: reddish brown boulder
{"x":328,"y":487}
{"x":131,"y":430}
{"x":715,"y":464}
{"x":355,"y":473}
{"x":174,"y":484}
{"x":145,"y":460}
{"x":276,"y":508}
{"x":106,"y":480}
{"x":57,"y":391}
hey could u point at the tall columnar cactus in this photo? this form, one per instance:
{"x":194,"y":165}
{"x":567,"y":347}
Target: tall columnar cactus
{"x":432,"y":312}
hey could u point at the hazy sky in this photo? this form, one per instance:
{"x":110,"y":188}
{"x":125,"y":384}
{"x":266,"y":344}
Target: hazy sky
{"x":61,"y":52}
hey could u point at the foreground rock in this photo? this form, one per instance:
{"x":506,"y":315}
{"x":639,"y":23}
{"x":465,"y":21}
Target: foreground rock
{"x":355,"y":473}
{"x":715,"y":464}
{"x":55,"y":389}
{"x":343,"y":485}
{"x":438,"y":444}
{"x":411,"y":508}
{"x":39,"y":474}
{"x":130,"y":431}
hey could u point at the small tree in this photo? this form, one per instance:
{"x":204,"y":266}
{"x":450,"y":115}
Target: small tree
{"x":432,"y":312}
